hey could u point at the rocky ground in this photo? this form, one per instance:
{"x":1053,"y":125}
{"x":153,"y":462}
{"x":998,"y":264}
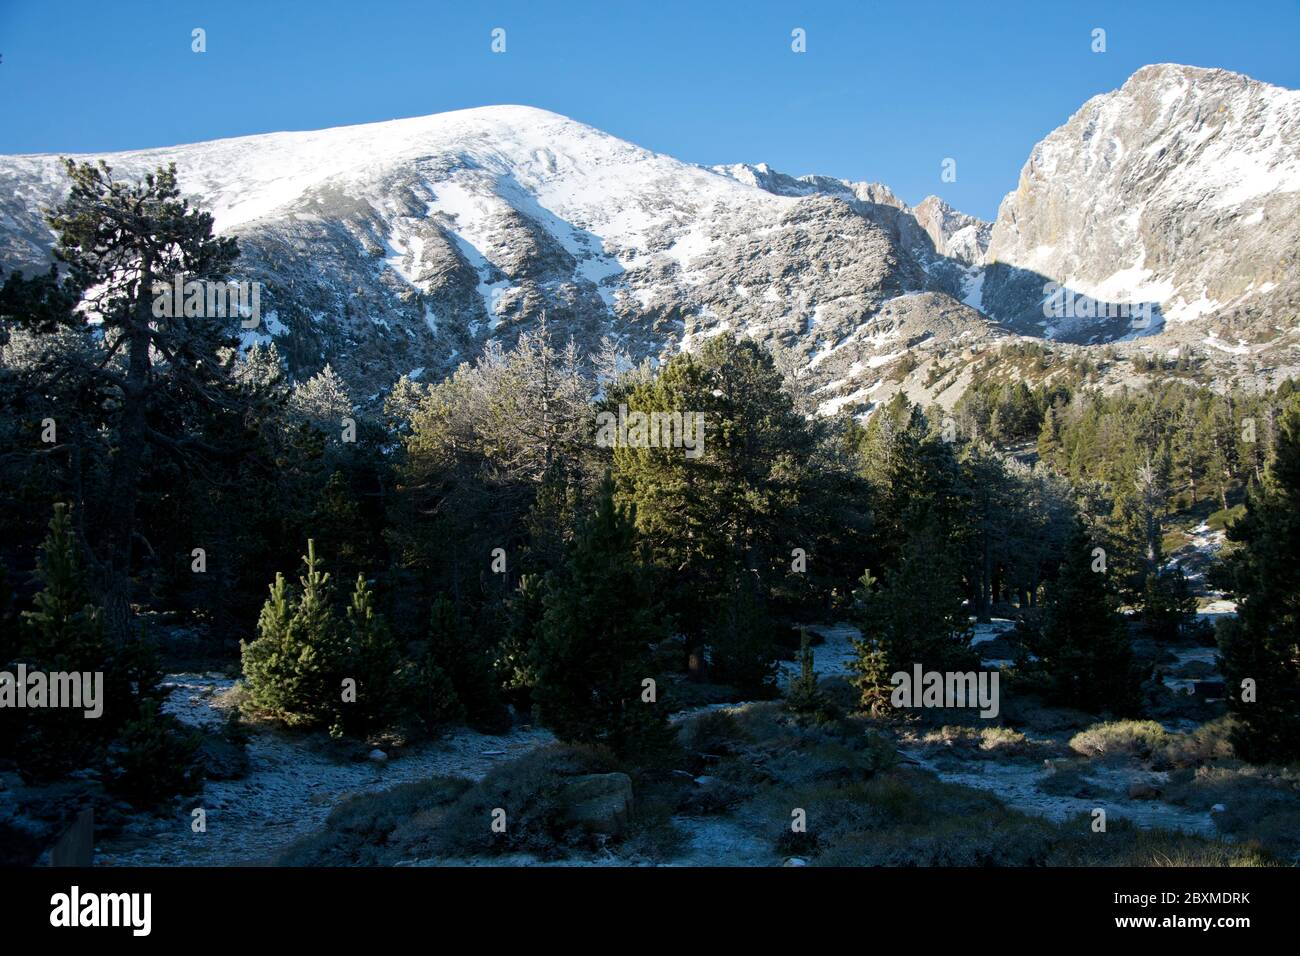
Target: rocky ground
{"x":294,"y":781}
{"x":291,"y":786}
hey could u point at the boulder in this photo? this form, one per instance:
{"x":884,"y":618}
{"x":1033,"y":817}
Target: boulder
{"x":598,"y":802}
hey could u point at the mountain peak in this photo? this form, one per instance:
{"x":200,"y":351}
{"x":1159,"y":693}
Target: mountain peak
{"x":1179,"y":192}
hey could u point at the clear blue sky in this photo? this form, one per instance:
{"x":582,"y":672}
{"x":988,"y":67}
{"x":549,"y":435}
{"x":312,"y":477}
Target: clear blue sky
{"x":885,"y":91}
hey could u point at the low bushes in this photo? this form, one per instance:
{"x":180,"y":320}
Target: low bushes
{"x":1146,"y":740}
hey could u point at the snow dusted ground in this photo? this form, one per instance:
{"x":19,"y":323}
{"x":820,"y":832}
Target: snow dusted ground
{"x":835,"y":655}
{"x":290,"y":788}
{"x":723,"y":841}
{"x":831,"y":658}
{"x":1015,"y":784}
{"x":293,"y":783}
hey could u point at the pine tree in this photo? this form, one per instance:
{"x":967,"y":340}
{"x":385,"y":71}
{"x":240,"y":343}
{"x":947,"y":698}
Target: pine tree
{"x":592,"y":653}
{"x":1168,"y":604}
{"x":267,"y":662}
{"x":373,"y":660}
{"x":802,"y":697}
{"x":428,"y":695}
{"x":916,"y":615}
{"x":456,"y":649}
{"x":63,"y":632}
{"x":1263,"y":643}
{"x":742,"y":640}
{"x":117,"y":240}
{"x":322,"y":401}
{"x":523,"y":618}
{"x":1081,"y":641}
{"x":735,"y":506}
{"x":295,"y":668}
{"x":9,"y":640}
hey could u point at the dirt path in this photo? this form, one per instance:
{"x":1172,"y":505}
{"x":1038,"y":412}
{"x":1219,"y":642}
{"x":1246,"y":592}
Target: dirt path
{"x":290,"y":788}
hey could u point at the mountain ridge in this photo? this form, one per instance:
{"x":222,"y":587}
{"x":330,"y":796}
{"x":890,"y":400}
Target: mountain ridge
{"x":404,"y":246}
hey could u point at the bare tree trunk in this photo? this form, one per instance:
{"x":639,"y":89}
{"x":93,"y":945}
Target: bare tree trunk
{"x":124,"y":474}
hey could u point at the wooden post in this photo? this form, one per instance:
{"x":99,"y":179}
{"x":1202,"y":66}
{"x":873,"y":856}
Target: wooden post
{"x":77,"y":845}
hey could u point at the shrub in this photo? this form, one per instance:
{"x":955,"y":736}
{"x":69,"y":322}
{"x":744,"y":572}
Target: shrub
{"x":1147,"y":740}
{"x":379,"y":829}
{"x":1001,"y":741}
{"x":988,"y":839}
{"x":154,"y":758}
{"x":295,"y":668}
{"x":1210,"y":741}
{"x":1121,"y":738}
{"x":712,"y":732}
{"x":530,"y":790}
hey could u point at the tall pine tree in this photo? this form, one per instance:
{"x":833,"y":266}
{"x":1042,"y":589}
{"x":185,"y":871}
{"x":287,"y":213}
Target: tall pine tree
{"x":1263,"y":644}
{"x":592,"y":653}
{"x":1081,"y":642}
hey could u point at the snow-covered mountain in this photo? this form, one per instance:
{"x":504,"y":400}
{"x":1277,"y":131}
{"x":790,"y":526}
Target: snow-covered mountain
{"x":1180,"y":189}
{"x":405,"y":245}
{"x":402,"y":246}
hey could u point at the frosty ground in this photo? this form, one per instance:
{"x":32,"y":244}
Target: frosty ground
{"x":295,"y":781}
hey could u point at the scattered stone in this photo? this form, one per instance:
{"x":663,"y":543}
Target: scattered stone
{"x":795,"y":861}
{"x":378,"y":756}
{"x":1218,"y":808}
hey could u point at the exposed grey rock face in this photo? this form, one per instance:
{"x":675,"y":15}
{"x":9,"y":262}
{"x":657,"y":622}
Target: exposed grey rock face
{"x":404,"y":247}
{"x":1181,"y":189}
{"x":936,"y":239}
